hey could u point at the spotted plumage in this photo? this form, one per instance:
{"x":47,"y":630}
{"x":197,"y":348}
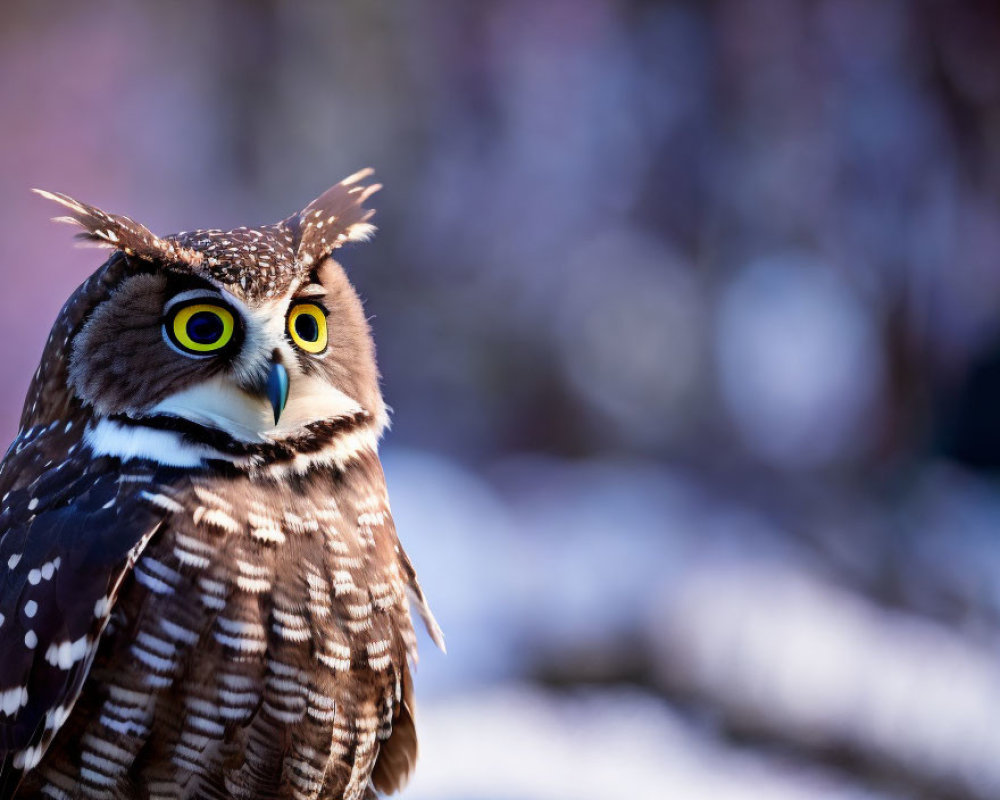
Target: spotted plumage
{"x":203,"y":592}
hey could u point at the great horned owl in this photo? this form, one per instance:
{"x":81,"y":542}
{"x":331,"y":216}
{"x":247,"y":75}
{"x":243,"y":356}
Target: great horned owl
{"x":203,"y":593}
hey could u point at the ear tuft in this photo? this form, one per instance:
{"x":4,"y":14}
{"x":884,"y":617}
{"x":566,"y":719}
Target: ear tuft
{"x":335,"y":217}
{"x":117,"y":232}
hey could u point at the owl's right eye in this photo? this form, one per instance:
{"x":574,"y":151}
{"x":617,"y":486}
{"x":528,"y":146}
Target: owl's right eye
{"x":200,"y":328}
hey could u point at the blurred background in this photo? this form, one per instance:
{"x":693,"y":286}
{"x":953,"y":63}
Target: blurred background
{"x":689,"y":313}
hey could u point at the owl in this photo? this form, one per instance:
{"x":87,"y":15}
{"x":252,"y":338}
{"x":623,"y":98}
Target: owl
{"x":203,"y":594}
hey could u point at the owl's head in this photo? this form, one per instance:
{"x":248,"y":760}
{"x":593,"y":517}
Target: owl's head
{"x":250,"y":342}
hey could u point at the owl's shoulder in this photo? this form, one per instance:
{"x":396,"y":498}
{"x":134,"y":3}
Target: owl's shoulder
{"x":70,"y":528}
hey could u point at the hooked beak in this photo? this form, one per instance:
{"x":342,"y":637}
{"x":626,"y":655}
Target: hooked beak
{"x":277,"y":388}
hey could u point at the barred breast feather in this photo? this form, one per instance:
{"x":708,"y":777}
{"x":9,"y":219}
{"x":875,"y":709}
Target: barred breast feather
{"x":255,"y":641}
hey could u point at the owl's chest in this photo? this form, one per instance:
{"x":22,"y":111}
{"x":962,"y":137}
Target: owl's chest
{"x":248,"y":577}
{"x":260,"y":637}
{"x":265,"y":566}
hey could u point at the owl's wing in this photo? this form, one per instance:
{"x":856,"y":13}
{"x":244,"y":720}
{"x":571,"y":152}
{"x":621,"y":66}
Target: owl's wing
{"x":67,"y":540}
{"x":397,"y":755}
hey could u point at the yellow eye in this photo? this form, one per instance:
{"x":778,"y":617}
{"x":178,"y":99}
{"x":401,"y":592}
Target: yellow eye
{"x":307,"y":327}
{"x":201,"y":327}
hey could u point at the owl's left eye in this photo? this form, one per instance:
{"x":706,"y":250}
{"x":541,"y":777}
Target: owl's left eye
{"x":307,"y":327}
{"x":201,"y":328}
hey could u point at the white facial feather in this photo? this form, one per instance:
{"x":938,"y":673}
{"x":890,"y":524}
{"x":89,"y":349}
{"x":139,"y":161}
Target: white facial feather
{"x":219,"y":403}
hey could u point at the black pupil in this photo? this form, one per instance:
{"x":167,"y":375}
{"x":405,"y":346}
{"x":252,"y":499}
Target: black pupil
{"x":307,"y":327}
{"x":205,"y":327}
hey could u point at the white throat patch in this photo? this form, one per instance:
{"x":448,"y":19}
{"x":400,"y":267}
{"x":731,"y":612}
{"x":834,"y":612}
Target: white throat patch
{"x":127,"y":442}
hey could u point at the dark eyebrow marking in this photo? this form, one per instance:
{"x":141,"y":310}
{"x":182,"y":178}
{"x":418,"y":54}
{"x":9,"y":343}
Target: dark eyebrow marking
{"x":177,"y":283}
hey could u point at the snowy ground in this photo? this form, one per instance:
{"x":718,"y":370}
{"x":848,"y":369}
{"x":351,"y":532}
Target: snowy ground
{"x":539,"y":567}
{"x":519,"y":743}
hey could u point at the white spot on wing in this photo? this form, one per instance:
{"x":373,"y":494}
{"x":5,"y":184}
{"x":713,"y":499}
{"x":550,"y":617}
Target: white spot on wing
{"x":28,"y":758}
{"x":11,"y":700}
{"x":65,"y":654}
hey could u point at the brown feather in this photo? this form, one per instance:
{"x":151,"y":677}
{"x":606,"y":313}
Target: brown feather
{"x":335,"y":217}
{"x":398,"y":754}
{"x":120,"y":233}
